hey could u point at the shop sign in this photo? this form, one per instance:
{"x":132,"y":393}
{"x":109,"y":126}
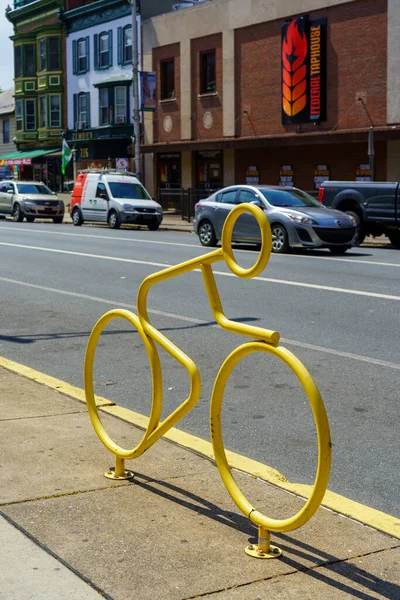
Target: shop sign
{"x":363,"y":172}
{"x":121,"y":164}
{"x":252,"y":175}
{"x":286,"y":175}
{"x":148,"y":84}
{"x":321,"y":174}
{"x":170,"y":156}
{"x":304,"y":71}
{"x":82,"y":135}
{"x":18,"y":161}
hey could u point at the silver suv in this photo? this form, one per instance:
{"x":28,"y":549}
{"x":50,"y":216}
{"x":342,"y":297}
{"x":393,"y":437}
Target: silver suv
{"x":31,"y":200}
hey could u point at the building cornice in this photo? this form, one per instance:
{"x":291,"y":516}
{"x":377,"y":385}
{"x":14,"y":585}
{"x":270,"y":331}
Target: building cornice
{"x":94,"y":14}
{"x":33,"y":8}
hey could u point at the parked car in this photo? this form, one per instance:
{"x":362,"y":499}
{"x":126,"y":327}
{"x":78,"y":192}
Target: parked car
{"x":374,"y":204}
{"x":31,"y":200}
{"x":296,"y":219}
{"x":113,"y":197}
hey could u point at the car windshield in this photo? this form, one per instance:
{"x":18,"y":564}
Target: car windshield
{"x":33,"y":188}
{"x":289,"y":198}
{"x":128,"y":191}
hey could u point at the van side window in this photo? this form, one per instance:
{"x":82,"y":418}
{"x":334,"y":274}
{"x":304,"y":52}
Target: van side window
{"x":101,"y":189}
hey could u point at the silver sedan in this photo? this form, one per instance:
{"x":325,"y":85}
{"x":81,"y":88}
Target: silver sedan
{"x":295,"y":217}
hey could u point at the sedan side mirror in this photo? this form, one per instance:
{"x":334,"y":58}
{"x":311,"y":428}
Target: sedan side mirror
{"x":257,"y":203}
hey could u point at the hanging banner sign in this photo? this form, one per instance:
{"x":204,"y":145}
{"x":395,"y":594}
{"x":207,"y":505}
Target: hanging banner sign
{"x":304,"y":71}
{"x":363,"y":172}
{"x":286,"y":175}
{"x":148,"y":83}
{"x":321,"y":174}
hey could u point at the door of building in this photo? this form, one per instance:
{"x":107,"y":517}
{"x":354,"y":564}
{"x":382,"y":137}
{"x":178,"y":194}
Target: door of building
{"x":209,"y":170}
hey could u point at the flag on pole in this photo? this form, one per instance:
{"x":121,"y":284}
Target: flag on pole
{"x":66,"y":156}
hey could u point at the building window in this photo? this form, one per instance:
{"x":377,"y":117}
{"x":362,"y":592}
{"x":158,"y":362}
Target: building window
{"x":29,"y":60}
{"x":104,"y":116}
{"x":103,"y":50}
{"x":42,"y":54}
{"x":54,"y":54}
{"x":55,"y":110}
{"x":125,"y":44}
{"x":18,"y":61}
{"x":80,"y":55}
{"x":121,"y":110}
{"x":6,"y":131}
{"x":18,"y":115}
{"x":207,"y":73}
{"x":42,"y":112}
{"x":167,"y":79}
{"x":30,"y":115}
{"x":82,"y":110}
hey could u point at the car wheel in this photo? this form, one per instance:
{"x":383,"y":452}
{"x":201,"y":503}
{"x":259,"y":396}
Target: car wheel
{"x":339,"y":249}
{"x":360,"y":235}
{"x":207,"y":235}
{"x":394,"y":237}
{"x":76,"y":216}
{"x":58,"y":219}
{"x":18,"y":215}
{"x":153,"y":226}
{"x":114,"y":220}
{"x":280,"y":242}
{"x":30,"y":219}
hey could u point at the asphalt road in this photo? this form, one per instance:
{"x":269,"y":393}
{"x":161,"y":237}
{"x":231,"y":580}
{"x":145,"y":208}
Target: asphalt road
{"x":340,"y":316}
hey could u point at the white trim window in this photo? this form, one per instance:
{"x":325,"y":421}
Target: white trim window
{"x":30,"y":115}
{"x":121,"y":109}
{"x":55,"y":110}
{"x":19,"y":120}
{"x":127,"y":44}
{"x":42,"y":112}
{"x":82,"y":110}
{"x":104,"y":106}
{"x":104,"y":50}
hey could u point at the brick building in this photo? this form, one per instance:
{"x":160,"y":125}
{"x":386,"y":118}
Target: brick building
{"x":220,"y":116}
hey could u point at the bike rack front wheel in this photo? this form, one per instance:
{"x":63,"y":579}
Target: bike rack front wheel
{"x":324,"y":445}
{"x":122,"y":454}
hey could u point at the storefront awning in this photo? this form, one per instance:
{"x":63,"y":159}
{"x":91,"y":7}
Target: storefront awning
{"x":23,"y":157}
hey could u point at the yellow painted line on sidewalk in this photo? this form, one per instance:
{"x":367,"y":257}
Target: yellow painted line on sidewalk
{"x":51,"y":382}
{"x":359,"y":512}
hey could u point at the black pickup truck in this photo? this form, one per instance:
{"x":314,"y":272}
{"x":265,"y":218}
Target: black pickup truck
{"x":374,"y":204}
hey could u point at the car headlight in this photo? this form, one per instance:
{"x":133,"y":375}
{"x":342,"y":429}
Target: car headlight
{"x":128,"y":208}
{"x":159,"y":209}
{"x":303,"y":220}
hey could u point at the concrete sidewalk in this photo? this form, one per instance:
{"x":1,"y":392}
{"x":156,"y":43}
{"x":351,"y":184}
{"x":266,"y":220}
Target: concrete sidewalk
{"x":171,"y":533}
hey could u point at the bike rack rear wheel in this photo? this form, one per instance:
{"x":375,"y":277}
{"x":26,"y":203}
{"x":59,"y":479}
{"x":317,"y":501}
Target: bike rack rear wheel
{"x":323,"y":436}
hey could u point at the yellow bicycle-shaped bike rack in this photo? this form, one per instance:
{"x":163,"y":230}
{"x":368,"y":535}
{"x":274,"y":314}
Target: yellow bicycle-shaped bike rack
{"x":264,"y":340}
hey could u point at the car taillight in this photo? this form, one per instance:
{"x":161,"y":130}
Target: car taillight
{"x":321,"y":195}
{"x":197,"y":206}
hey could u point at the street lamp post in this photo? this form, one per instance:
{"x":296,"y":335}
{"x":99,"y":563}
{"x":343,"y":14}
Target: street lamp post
{"x":135,"y":87}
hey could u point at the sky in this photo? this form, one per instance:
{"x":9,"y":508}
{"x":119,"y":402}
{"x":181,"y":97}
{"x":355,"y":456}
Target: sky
{"x":6,"y":49}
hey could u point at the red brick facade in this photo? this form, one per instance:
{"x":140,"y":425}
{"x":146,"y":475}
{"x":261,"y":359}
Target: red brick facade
{"x":356,"y":68}
{"x":168,"y":108}
{"x":208,"y":103}
{"x":356,"y":64}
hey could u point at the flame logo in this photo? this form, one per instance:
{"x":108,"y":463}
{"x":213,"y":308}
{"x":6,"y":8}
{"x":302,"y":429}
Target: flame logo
{"x":294,"y":69}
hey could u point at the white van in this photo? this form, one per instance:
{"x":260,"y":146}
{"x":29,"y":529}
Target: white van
{"x":113,"y":197}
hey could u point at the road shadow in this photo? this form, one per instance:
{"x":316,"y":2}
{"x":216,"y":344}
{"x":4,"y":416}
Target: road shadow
{"x":38,"y":337}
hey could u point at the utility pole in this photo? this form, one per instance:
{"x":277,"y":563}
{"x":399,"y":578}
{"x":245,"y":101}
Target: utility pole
{"x":135,"y":87}
{"x":371,"y":152}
